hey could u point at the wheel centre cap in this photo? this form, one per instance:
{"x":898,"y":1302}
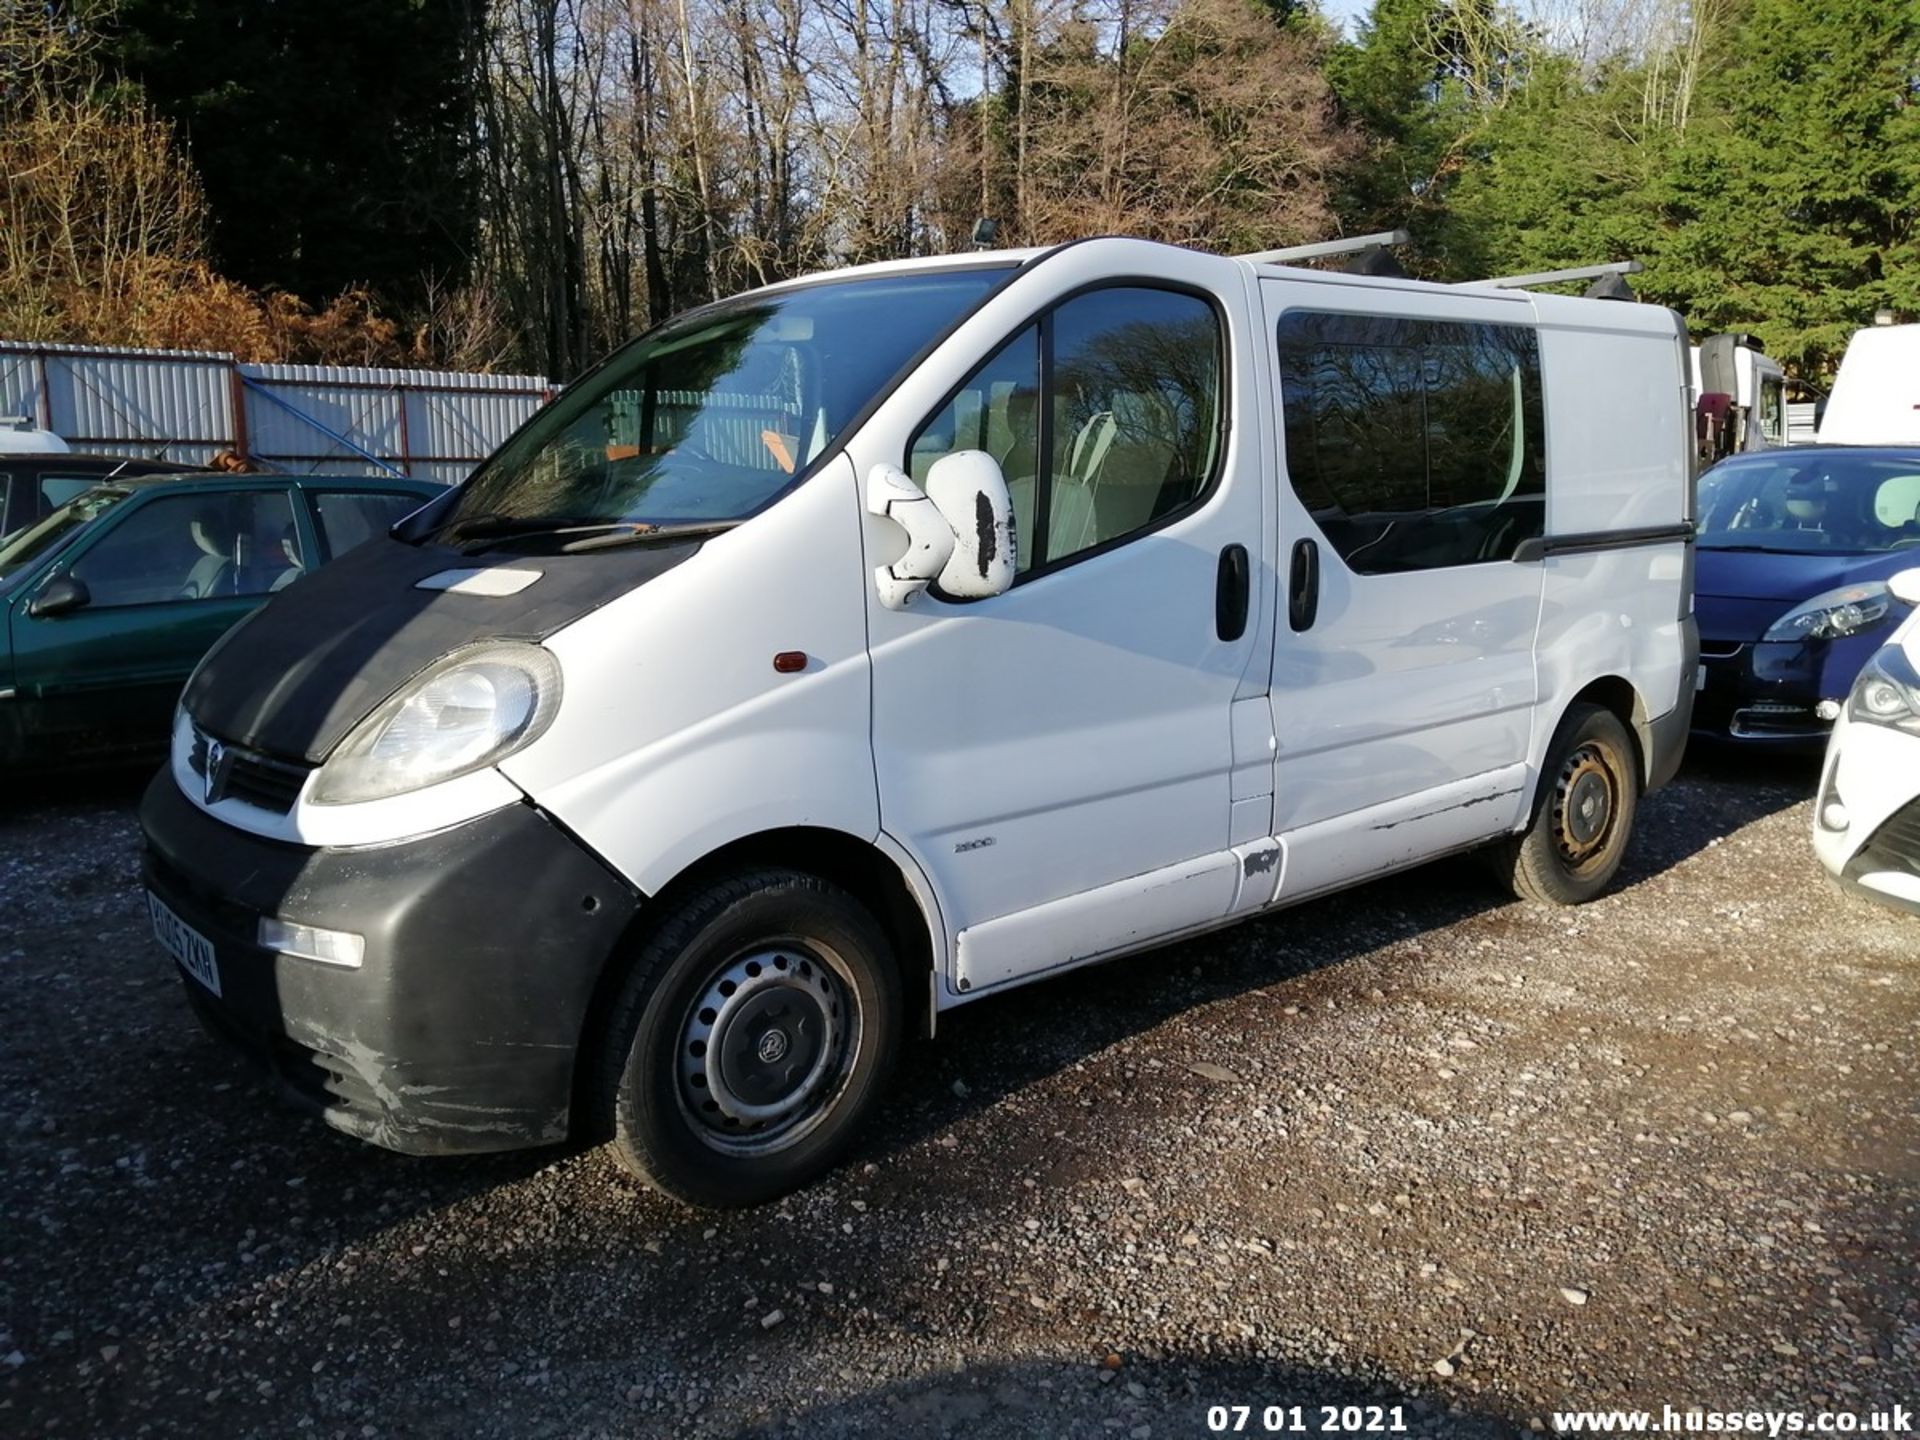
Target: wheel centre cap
{"x":773,"y":1047}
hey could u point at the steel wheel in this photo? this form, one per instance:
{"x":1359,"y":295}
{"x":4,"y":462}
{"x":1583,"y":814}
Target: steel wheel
{"x":1585,"y":804}
{"x":1582,"y":815}
{"x":765,"y":1048}
{"x":754,"y":1029}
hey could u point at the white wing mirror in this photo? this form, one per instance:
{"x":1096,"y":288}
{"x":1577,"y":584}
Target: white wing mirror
{"x":971,"y":493}
{"x":1905,"y":586}
{"x":959,"y":530}
{"x":892,"y":493}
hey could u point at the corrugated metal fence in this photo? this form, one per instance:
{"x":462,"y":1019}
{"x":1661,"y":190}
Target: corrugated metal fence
{"x":189,"y":405}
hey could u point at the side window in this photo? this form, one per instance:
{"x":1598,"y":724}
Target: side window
{"x":57,"y":490}
{"x":1414,"y":444}
{"x":996,"y":409}
{"x":348,"y":519}
{"x":1123,"y":432}
{"x":1896,"y":503}
{"x":193,"y":547}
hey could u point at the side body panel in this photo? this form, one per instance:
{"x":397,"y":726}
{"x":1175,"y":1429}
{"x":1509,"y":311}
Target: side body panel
{"x":1615,"y":612}
{"x":1405,"y":711}
{"x":677,"y":736}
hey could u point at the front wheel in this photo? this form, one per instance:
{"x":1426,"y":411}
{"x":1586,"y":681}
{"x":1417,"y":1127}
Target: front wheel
{"x":1583,"y":815}
{"x":751,"y":1038}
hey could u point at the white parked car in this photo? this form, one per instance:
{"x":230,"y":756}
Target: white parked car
{"x":1866,"y":822}
{"x":871,"y":643}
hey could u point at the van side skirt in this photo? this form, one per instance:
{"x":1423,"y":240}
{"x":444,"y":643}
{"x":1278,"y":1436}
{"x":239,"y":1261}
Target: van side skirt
{"x":1149,"y":910}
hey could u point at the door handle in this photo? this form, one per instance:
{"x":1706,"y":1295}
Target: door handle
{"x":1230,"y":594}
{"x":1303,"y":585}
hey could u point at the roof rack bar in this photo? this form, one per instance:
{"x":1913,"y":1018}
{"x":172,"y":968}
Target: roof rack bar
{"x":1322,"y":249}
{"x":1549,"y":277}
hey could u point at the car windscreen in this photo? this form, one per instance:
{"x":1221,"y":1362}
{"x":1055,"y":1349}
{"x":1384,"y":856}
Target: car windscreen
{"x":20,"y":552}
{"x":1812,"y":502}
{"x":710,"y":417}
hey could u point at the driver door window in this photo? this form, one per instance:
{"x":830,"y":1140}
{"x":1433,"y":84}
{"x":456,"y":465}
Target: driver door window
{"x":190,"y":547}
{"x":1123,"y":434}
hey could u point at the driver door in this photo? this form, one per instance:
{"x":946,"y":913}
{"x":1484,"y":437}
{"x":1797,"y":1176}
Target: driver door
{"x":1060,"y":759}
{"x":167,"y":576}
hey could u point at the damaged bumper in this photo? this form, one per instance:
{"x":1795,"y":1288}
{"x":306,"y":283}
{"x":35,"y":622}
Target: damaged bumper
{"x":458,"y":1030}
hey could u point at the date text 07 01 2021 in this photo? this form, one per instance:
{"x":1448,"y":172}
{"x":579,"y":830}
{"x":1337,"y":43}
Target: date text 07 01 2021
{"x":1307,"y":1419}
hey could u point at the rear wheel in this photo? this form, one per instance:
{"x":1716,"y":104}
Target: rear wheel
{"x":1583,"y":815}
{"x":751,"y":1038}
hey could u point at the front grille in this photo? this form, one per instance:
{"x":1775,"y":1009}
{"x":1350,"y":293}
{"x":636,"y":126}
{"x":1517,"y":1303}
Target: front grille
{"x":1720,"y":649}
{"x":245,"y":775}
{"x":1767,"y":717}
{"x":1896,"y":844}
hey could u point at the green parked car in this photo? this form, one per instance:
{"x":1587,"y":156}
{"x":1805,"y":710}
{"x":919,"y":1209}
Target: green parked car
{"x":107,"y":603}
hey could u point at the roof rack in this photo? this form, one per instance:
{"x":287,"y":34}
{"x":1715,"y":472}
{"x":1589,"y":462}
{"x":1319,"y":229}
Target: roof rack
{"x":1549,"y":277}
{"x":1322,"y":249}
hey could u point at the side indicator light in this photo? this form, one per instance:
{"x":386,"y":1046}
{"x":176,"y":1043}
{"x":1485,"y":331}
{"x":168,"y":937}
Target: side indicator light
{"x":790,"y":662}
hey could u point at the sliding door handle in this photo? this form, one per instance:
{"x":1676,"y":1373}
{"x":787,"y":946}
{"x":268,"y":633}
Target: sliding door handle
{"x":1303,"y":585}
{"x":1230,"y":589}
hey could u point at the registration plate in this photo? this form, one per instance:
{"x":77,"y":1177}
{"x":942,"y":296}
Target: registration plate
{"x":1700,"y":678}
{"x":186,"y":944}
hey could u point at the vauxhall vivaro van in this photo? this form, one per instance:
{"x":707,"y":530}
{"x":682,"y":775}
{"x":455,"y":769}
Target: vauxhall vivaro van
{"x":871,"y":643}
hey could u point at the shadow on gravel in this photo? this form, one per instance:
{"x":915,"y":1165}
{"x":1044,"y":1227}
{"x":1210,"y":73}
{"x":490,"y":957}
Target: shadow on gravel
{"x":1171,"y":1395}
{"x":1007,"y":1043}
{"x":22,"y":792}
{"x":1719,"y":790}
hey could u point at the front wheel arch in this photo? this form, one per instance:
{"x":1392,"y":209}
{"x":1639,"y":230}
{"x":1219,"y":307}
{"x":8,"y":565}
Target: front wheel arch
{"x":856,"y":866}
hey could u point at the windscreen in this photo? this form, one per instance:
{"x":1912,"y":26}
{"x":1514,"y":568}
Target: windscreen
{"x":20,"y":552}
{"x":710,"y":417}
{"x":1812,"y":501}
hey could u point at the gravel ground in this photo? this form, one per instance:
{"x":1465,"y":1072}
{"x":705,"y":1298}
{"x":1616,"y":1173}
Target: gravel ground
{"x":1411,"y":1145}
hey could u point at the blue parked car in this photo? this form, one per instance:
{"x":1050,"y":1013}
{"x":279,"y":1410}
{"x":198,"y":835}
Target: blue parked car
{"x":1795,"y":548}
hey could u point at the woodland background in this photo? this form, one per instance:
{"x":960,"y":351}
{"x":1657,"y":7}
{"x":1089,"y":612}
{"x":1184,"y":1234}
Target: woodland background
{"x":526,"y":183}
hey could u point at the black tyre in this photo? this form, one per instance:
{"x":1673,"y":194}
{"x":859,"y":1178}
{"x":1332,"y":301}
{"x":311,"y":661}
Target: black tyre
{"x":755,"y":1028}
{"x":1583,"y":815}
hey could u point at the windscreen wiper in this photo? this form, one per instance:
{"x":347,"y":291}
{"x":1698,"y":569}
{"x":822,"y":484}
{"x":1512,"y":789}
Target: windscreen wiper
{"x":483,"y":530}
{"x":641,"y":533}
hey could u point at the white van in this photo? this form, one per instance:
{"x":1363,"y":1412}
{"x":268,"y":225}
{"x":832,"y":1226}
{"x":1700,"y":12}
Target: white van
{"x":871,"y":643}
{"x":20,"y":436}
{"x":1876,"y":395}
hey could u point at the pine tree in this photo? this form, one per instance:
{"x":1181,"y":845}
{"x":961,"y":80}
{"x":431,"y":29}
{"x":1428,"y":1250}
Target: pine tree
{"x":333,"y":140}
{"x":1794,"y":208}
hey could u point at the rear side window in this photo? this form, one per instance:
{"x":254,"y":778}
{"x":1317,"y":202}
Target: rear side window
{"x":348,"y":519}
{"x":1104,"y":416}
{"x":1414,"y":444}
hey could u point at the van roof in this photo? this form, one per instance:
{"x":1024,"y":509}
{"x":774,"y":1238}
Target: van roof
{"x":1610,"y":315}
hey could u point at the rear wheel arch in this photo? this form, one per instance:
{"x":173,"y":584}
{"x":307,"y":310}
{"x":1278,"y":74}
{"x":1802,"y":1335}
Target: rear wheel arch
{"x":1617,"y":694}
{"x":855,"y":865}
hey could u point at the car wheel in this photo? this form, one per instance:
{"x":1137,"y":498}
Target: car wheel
{"x":755,"y":1028}
{"x":1582,"y":815}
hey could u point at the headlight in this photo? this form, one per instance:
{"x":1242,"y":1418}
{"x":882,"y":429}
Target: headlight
{"x":1887,"y":692}
{"x":460,"y":714}
{"x":1846,"y":611}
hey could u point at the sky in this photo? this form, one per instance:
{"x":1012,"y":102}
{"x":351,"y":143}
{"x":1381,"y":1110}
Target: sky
{"x":1345,"y":11}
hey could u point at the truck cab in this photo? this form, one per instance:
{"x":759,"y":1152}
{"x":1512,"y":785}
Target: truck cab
{"x":870,"y":644}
